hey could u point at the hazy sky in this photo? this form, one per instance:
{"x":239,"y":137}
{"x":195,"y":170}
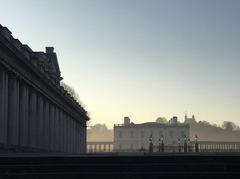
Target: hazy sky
{"x":140,"y":58}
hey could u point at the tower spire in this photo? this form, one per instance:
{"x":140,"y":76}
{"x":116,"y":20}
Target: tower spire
{"x":186,"y":119}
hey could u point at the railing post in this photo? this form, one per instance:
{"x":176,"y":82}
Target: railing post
{"x":179,"y":146}
{"x":196,"y":143}
{"x":189,"y":146}
{"x":150,"y":144}
{"x":162,"y":144}
{"x":104,"y":147}
{"x":185,"y":146}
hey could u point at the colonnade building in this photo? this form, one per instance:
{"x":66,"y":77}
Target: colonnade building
{"x":36,"y":113}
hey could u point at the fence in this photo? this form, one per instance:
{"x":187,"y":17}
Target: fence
{"x":102,"y":146}
{"x":200,"y":146}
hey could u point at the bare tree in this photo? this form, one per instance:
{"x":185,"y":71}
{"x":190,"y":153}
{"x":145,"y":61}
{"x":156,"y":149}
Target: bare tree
{"x":72,"y":92}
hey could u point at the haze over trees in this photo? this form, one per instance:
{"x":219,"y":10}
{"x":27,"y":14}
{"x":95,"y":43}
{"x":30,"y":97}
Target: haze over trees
{"x":228,"y":131}
{"x":99,"y":132}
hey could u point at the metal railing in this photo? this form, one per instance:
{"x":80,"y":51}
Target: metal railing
{"x":192,"y":146}
{"x":217,"y":146}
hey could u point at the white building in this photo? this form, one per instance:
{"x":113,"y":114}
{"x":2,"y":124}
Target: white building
{"x":135,"y":137}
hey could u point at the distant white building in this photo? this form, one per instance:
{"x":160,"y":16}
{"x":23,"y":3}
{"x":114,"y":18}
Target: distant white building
{"x":135,"y":137}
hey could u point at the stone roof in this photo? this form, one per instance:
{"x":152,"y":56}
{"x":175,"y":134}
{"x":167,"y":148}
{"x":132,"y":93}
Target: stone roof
{"x":151,"y":124}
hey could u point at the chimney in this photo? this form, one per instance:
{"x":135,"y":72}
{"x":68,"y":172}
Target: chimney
{"x":174,"y":120}
{"x":49,"y":50}
{"x":126,"y":120}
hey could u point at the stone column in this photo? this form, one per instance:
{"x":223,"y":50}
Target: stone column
{"x":79,"y":137}
{"x":65,"y":125}
{"x":61,"y":131}
{"x":77,"y":128}
{"x":80,"y":133}
{"x":40,"y":123}
{"x":52,"y":127}
{"x":46,"y":125}
{"x":69,"y":134}
{"x":74,"y":135}
{"x":56,"y":136}
{"x":2,"y":90}
{"x":23,"y":115}
{"x":3,"y":106}
{"x":84,"y":138}
{"x":33,"y":119}
{"x":13,"y":110}
{"x":66,"y":132}
{"x":6,"y":107}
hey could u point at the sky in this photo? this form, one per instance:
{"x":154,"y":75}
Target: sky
{"x":139,"y":58}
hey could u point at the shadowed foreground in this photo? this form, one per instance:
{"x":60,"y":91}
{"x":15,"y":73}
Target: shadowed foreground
{"x":121,"y":166}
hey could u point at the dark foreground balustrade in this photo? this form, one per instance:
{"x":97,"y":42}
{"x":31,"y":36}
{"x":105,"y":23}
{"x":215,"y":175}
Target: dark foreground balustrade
{"x":121,"y":166}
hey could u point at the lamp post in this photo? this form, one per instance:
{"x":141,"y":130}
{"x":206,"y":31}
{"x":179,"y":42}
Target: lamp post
{"x":179,"y":145}
{"x":162,"y":144}
{"x":185,"y":144}
{"x":159,"y":145}
{"x":196,"y":144}
{"x":189,"y":146}
{"x":150,"y":144}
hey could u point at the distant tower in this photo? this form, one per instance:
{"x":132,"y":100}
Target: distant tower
{"x":126,"y":120}
{"x":189,"y":120}
{"x":193,"y":117}
{"x":151,"y":143}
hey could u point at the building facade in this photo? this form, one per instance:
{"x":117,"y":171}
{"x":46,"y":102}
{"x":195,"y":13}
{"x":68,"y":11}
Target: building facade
{"x":36,"y":113}
{"x":137,"y":137}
